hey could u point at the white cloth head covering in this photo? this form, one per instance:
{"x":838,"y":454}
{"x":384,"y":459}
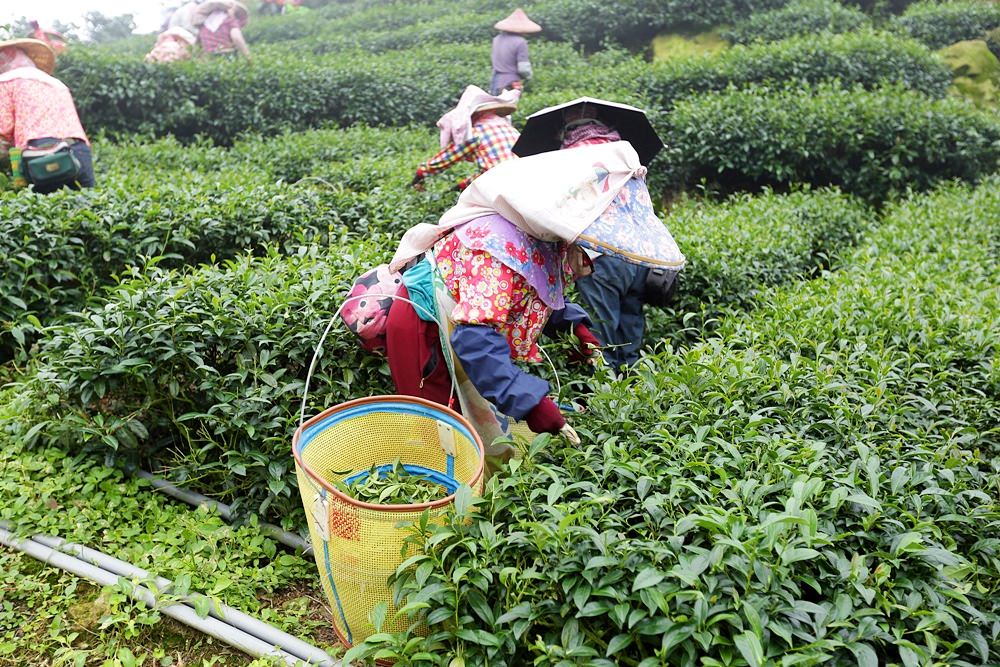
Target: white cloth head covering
{"x":552,"y":196}
{"x":457,"y":124}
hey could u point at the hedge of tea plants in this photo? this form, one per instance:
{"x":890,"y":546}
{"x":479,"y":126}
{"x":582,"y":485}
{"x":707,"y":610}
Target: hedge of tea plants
{"x":938,"y":23}
{"x":171,"y":205}
{"x":211,"y":363}
{"x":870,"y":143}
{"x":818,"y":484}
{"x":372,"y":25}
{"x":866,"y":59}
{"x":221,"y":100}
{"x":802,"y":17}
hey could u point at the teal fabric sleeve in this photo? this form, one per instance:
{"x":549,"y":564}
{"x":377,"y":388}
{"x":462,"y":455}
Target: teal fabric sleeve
{"x":419,"y":283}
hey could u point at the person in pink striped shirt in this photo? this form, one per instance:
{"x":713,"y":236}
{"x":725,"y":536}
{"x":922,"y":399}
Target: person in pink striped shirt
{"x":37,"y":109}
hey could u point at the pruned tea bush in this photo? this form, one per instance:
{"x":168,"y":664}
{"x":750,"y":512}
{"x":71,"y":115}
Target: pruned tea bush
{"x":938,"y":24}
{"x":868,"y":59}
{"x":58,"y":251}
{"x":742,"y":246}
{"x":870,"y":143}
{"x":802,"y":17}
{"x":205,"y":370}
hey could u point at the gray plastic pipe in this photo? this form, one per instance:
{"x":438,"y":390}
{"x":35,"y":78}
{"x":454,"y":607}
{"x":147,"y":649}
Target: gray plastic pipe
{"x":234,"y":617}
{"x":179,"y":612}
{"x":225,"y":511}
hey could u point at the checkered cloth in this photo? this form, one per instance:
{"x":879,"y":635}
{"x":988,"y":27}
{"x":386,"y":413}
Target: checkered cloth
{"x":490,"y":144}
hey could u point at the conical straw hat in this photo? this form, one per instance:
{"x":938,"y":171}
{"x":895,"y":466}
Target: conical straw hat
{"x":518,"y":22}
{"x":41,"y":53}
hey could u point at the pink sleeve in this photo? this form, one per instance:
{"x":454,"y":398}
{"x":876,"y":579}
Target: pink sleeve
{"x":6,"y":113}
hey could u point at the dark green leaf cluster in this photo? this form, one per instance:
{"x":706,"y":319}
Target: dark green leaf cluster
{"x":870,"y":143}
{"x":802,"y":17}
{"x":815,"y":486}
{"x":940,"y":23}
{"x":57,"y":252}
{"x":738,"y":249}
{"x":171,"y":205}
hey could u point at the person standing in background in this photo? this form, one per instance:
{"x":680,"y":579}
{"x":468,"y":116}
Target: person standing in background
{"x":511,"y":65}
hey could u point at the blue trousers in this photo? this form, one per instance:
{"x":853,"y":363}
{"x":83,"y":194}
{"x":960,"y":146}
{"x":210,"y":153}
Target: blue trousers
{"x":613,"y":294}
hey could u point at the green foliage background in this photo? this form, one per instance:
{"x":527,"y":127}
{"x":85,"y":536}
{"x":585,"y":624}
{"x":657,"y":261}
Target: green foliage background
{"x":802,"y":469}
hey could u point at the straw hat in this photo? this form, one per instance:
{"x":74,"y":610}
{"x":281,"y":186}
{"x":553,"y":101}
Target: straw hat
{"x":518,"y":22}
{"x":206,"y":9}
{"x":180,"y":33}
{"x":41,"y":53}
{"x":502,"y":108}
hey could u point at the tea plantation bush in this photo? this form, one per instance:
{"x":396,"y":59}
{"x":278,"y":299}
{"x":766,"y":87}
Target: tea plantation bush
{"x":216,"y":359}
{"x":221,"y":100}
{"x":867,"y":59}
{"x":149,"y":209}
{"x":211,"y":364}
{"x":752,"y":241}
{"x":938,"y":24}
{"x":372,"y":26}
{"x":818,"y":485}
{"x":56,"y":252}
{"x":870,"y":143}
{"x":802,"y":17}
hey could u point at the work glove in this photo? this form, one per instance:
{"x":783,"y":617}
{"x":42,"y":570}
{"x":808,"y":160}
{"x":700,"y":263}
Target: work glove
{"x":545,"y":417}
{"x":589,"y":349}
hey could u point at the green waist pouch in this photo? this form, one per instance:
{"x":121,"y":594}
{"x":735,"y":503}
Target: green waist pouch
{"x":51,"y":165}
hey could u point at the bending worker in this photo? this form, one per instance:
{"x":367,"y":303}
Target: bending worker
{"x":221,"y":27}
{"x":620,"y":285}
{"x":37,"y":115}
{"x":511,"y":65}
{"x":489,"y":279}
{"x":477,"y":130}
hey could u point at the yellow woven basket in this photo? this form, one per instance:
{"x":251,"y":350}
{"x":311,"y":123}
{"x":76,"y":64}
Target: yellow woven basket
{"x":358,"y":545}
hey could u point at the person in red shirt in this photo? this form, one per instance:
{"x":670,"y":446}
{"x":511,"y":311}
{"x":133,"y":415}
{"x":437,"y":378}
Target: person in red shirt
{"x":37,"y":110}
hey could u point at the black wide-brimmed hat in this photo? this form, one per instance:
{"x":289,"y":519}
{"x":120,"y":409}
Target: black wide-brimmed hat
{"x":543,"y":131}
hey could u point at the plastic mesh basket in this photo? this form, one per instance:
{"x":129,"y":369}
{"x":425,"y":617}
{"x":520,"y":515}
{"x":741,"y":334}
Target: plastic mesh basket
{"x":357,"y":545}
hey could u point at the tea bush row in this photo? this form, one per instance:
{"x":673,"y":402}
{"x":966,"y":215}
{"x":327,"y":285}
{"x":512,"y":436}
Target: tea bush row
{"x":870,"y":143}
{"x":221,"y":100}
{"x":817,"y":485}
{"x":583,"y":22}
{"x":938,"y":24}
{"x":58,"y":252}
{"x":802,"y":17}
{"x":755,"y":241}
{"x":212,"y":362}
{"x":867,"y":59}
